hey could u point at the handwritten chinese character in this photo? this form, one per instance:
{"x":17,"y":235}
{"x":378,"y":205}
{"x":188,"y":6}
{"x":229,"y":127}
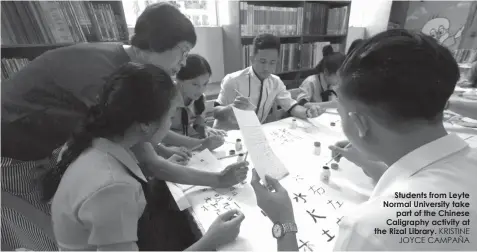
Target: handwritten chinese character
{"x":314,"y":216}
{"x":330,"y":237}
{"x":299,"y":196}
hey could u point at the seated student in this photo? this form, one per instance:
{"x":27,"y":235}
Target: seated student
{"x":389,"y":115}
{"x":192,"y":81}
{"x":98,"y":190}
{"x":319,"y":87}
{"x":257,"y":88}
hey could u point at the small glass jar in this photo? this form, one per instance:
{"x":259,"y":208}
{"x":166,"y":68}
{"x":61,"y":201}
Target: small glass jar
{"x":317,"y":148}
{"x":325,"y":174}
{"x":293,"y":124}
{"x":240,"y":157}
{"x":238,"y":145}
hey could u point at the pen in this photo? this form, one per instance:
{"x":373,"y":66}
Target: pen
{"x":337,"y":154}
{"x":245,"y":158}
{"x":245,"y":96}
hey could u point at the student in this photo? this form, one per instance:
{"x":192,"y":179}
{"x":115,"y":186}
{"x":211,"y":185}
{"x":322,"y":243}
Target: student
{"x":256,"y":88}
{"x":44,"y":101}
{"x":101,"y":212}
{"x":319,"y":88}
{"x":192,"y":81}
{"x":472,"y":77}
{"x":389,"y":115}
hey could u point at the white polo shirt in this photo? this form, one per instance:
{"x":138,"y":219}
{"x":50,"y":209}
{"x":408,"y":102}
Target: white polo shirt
{"x":262,"y":94}
{"x":446,"y":165}
{"x":97,"y":202}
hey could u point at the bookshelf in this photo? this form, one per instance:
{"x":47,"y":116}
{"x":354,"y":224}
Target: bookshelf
{"x":30,"y":28}
{"x":304,"y":28}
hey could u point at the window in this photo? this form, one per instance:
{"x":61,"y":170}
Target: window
{"x":200,"y":13}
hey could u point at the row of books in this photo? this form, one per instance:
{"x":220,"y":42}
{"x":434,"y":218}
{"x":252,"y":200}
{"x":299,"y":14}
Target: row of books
{"x":11,"y":66}
{"x":465,"y":55}
{"x":313,"y":19}
{"x":283,"y":21}
{"x":53,"y":22}
{"x":292,"y":57}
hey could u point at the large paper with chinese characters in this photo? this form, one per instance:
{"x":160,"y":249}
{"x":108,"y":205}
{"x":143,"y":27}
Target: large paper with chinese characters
{"x":262,"y":155}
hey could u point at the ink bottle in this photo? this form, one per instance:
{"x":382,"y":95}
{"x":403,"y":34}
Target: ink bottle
{"x":240,"y":157}
{"x":317,"y":148}
{"x":325,"y":174}
{"x":293,"y":124}
{"x":238,"y":144}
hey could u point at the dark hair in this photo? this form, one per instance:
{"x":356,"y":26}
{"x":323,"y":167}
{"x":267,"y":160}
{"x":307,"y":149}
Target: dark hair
{"x":134,"y":93}
{"x":266,"y":41}
{"x":195,"y":66}
{"x":160,"y":27}
{"x":331,"y":60}
{"x":401,"y":75}
{"x":354,"y":45}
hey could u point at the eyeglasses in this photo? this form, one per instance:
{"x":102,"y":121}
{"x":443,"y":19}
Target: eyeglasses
{"x":185,"y":52}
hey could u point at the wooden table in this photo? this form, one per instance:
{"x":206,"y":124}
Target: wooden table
{"x":318,"y":206}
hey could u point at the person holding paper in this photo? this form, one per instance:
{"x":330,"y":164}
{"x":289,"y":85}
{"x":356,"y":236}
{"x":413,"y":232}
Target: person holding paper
{"x":391,"y":100}
{"x":192,"y":81}
{"x":98,"y":190}
{"x":257,"y":88}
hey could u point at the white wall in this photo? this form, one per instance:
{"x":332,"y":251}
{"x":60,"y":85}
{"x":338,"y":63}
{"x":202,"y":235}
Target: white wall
{"x":210,"y":46}
{"x":373,"y":15}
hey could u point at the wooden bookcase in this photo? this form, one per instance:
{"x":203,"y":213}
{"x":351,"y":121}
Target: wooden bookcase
{"x":30,"y":28}
{"x":302,"y":26}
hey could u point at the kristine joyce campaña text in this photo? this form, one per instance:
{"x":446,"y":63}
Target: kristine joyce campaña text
{"x":428,"y":217}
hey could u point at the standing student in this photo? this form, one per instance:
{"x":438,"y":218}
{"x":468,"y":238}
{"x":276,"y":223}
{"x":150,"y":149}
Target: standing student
{"x":390,"y":115}
{"x":98,"y":190}
{"x":192,"y":82}
{"x":320,"y":87}
{"x":44,"y":101}
{"x":257,"y":88}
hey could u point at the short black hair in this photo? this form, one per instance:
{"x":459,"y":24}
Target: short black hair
{"x":266,"y":41}
{"x":160,"y":27}
{"x":195,"y":66}
{"x":354,"y":45}
{"x":401,"y":75}
{"x":331,"y":60}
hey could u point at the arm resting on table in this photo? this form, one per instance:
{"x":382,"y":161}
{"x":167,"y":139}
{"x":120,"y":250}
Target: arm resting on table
{"x":175,"y":139}
{"x":463,"y":107}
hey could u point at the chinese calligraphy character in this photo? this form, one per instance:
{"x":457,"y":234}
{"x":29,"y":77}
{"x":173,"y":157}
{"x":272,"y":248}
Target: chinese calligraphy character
{"x":207,"y":199}
{"x":314,"y":216}
{"x":330,"y":237}
{"x":301,"y":196}
{"x":205,"y":208}
{"x":305,"y":245}
{"x":319,"y":191}
{"x":339,"y":220}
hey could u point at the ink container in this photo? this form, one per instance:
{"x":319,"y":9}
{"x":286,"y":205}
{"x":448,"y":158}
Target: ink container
{"x":238,"y":144}
{"x":240,"y":157}
{"x":232,"y":152}
{"x":293,"y":124}
{"x":334,"y":166}
{"x":317,"y":148}
{"x":333,"y":124}
{"x":325,"y":174}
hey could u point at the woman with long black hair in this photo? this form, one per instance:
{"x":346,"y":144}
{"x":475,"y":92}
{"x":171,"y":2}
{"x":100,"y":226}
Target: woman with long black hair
{"x":98,"y":190}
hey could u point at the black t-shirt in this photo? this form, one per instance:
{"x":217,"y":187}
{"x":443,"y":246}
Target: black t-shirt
{"x":43,"y":103}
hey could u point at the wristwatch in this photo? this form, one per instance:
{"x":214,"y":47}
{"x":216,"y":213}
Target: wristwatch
{"x":279,"y":229}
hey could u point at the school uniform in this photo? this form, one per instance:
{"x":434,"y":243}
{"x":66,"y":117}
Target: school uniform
{"x":102,"y":199}
{"x":446,"y":165}
{"x":263,"y":94}
{"x":189,"y":116}
{"x":315,"y":89}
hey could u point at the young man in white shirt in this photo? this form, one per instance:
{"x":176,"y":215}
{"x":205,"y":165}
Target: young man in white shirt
{"x":392,"y":94}
{"x":257,"y":88}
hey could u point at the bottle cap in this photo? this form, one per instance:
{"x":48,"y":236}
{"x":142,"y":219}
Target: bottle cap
{"x":334,"y":166}
{"x":317,"y":144}
{"x":241,"y":155}
{"x":239,"y":140}
{"x":231,"y":152}
{"x":326,"y":167}
{"x":332,"y":123}
{"x":293,"y":119}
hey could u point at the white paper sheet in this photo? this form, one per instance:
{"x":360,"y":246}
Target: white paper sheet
{"x":204,"y":161}
{"x":263,"y":158}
